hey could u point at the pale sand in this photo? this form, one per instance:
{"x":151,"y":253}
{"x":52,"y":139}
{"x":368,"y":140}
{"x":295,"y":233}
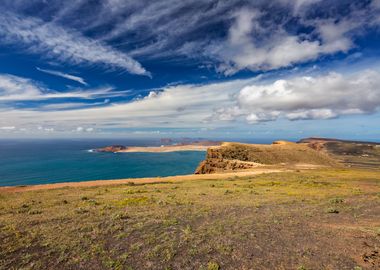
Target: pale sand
{"x":163,"y":149}
{"x":178,"y":178}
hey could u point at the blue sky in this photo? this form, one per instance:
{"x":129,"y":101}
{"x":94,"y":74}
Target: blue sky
{"x":218,"y":69}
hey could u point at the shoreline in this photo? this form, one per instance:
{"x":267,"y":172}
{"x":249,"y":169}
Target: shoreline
{"x":163,"y":149}
{"x":146,"y":180}
{"x":155,"y":149}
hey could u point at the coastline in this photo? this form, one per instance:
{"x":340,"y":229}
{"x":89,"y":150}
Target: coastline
{"x":163,"y":149}
{"x":198,"y":146}
{"x":148,"y":180}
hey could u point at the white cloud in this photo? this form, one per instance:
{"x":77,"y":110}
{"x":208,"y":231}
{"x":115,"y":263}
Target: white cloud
{"x":315,"y":114}
{"x":249,"y":46}
{"x":45,"y":129}
{"x":16,"y":88}
{"x":53,"y":41}
{"x":82,"y":129}
{"x":13,"y":88}
{"x":69,"y":105}
{"x":174,"y":106}
{"x":259,"y":37}
{"x":299,"y":5}
{"x":8,"y":128}
{"x":63,"y":75}
{"x":321,"y":97}
{"x":217,"y":104}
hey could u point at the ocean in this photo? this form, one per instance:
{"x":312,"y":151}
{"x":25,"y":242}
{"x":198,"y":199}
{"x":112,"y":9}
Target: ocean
{"x":29,"y":162}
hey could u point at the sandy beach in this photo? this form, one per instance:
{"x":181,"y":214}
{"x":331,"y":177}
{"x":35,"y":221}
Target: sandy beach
{"x":164,"y":149}
{"x":199,"y":146}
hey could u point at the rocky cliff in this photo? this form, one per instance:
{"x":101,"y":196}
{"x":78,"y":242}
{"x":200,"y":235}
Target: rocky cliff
{"x":112,"y":148}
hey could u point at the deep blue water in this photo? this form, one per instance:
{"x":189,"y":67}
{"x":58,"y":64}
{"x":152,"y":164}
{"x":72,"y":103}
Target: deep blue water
{"x":42,"y":162}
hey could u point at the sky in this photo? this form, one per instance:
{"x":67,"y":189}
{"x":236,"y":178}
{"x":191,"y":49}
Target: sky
{"x":282,"y":69}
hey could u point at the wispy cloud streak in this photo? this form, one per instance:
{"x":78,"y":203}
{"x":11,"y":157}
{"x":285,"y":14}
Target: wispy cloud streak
{"x":63,"y":75}
{"x":58,"y":43}
{"x":14,"y":88}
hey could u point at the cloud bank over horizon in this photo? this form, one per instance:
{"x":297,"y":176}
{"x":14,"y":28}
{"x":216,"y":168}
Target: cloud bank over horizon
{"x":307,"y":98}
{"x":248,"y":102}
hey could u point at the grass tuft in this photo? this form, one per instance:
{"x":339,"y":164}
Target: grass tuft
{"x":134,"y":201}
{"x":213,"y":266}
{"x":332,"y":210}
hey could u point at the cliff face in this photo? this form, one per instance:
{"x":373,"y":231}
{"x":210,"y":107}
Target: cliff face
{"x":215,"y":165}
{"x":237,"y":156}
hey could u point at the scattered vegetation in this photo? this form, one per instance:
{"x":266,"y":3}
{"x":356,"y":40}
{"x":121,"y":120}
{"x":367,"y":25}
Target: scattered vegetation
{"x":282,"y":220}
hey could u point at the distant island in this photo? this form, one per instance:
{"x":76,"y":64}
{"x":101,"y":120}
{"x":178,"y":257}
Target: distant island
{"x":183,"y":146}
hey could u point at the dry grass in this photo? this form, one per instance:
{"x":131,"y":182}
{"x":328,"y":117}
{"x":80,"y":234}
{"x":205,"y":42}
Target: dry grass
{"x":320,"y":219}
{"x":285,"y":152}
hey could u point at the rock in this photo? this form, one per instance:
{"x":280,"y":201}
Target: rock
{"x":112,"y":148}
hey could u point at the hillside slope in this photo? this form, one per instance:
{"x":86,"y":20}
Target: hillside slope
{"x":356,"y":154}
{"x":238,"y":156}
{"x":312,"y":219}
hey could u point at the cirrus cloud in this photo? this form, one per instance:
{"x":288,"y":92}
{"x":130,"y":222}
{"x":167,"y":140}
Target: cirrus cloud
{"x":15,"y":88}
{"x":233,"y":35}
{"x":58,"y":43}
{"x":63,"y":75}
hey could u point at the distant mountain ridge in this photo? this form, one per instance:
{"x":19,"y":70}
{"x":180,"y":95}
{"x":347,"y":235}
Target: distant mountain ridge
{"x":310,"y":139}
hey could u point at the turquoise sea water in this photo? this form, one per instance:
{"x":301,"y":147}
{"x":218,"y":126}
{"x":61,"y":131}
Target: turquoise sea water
{"x":42,"y":162}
